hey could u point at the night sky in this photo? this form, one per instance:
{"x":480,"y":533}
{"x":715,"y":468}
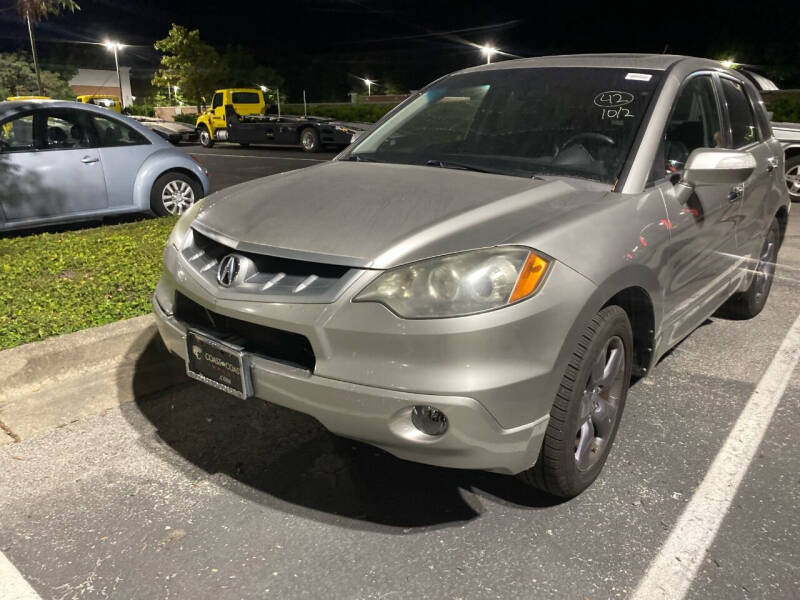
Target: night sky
{"x":318,"y":45}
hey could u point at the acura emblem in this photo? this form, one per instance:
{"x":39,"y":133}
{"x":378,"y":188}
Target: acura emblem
{"x":227,"y":270}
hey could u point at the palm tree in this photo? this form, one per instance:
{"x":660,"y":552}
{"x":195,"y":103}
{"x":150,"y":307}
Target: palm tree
{"x":33,"y":11}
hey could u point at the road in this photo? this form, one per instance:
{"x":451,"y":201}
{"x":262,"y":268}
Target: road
{"x":189,"y":493}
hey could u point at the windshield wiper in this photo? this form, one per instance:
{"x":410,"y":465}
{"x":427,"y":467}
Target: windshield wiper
{"x":359,"y":158}
{"x":446,"y":164}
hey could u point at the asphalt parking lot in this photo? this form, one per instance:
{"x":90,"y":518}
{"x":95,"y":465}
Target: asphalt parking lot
{"x":229,"y":164}
{"x":190,"y":493}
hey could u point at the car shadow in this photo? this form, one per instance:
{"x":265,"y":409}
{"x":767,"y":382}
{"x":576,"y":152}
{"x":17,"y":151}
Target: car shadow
{"x":287,"y":460}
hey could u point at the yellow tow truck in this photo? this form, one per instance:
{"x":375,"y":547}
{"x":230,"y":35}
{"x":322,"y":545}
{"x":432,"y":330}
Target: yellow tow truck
{"x":239,"y":116}
{"x":104,"y":100}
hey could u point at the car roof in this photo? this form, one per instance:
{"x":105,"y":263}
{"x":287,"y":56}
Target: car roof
{"x":17,"y":105}
{"x":657,"y":62}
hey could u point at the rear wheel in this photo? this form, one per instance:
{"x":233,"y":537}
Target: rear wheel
{"x":792,"y":175}
{"x":309,"y":139}
{"x":206,"y":139}
{"x":747,"y":304}
{"x":588,"y":407}
{"x":173,"y":193}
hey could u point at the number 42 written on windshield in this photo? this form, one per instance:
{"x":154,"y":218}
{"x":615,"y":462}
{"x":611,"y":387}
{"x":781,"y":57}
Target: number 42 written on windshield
{"x":613,"y":103}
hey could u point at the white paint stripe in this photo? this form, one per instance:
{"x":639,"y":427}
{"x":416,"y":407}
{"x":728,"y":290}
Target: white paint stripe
{"x":671,"y":573}
{"x":254,"y":156}
{"x":12,"y":585}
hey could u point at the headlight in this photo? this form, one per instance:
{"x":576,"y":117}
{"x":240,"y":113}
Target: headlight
{"x":184,"y":223}
{"x":344,"y":129}
{"x":458,"y":284}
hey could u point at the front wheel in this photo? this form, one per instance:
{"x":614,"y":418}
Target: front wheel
{"x":173,"y":193}
{"x":588,"y":407}
{"x":747,"y":304}
{"x":206,"y":139}
{"x":309,"y":139}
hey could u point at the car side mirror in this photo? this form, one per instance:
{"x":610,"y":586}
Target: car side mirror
{"x":717,"y":166}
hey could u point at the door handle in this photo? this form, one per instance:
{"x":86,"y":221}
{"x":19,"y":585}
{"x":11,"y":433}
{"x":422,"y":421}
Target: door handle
{"x":89,"y":159}
{"x":772,"y":163}
{"x":736,"y":193}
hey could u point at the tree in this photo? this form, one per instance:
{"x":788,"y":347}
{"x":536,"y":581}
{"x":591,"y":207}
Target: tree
{"x":242,"y":70}
{"x":33,"y":11}
{"x":189,"y":63}
{"x":17,"y":78}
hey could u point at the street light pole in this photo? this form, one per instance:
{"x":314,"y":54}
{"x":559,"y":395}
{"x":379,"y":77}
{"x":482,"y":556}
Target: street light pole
{"x":115,"y":46}
{"x":369,"y":83}
{"x":33,"y":52}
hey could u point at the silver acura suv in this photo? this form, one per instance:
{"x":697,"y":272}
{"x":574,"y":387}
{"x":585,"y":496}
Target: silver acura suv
{"x":474,"y":282}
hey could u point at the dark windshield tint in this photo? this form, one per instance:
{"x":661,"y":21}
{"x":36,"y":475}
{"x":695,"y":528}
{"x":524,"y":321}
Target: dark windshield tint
{"x":246,"y":98}
{"x":569,"y":121}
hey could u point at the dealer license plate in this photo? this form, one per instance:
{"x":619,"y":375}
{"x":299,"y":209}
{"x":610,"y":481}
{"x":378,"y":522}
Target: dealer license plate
{"x":219,"y":364}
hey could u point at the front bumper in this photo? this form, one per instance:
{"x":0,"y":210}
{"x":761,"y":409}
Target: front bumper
{"x":494,"y":374}
{"x":382,"y":417}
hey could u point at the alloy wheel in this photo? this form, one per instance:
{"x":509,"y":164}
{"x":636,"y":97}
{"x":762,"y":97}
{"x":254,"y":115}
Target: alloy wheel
{"x":600,"y":404}
{"x":177,"y":196}
{"x":765,"y":269}
{"x":792,"y":176}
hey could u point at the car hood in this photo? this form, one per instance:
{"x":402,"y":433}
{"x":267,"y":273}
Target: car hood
{"x":381,"y":215}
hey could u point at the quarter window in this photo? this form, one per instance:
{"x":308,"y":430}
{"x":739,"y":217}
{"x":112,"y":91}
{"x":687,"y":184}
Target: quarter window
{"x":111,"y":132}
{"x":16,"y":135}
{"x":743,"y":126}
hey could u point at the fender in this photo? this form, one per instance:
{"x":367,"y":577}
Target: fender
{"x":156,"y":165}
{"x":631,"y":276}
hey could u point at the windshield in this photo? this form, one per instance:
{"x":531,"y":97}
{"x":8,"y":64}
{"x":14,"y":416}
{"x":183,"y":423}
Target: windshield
{"x":543,"y":121}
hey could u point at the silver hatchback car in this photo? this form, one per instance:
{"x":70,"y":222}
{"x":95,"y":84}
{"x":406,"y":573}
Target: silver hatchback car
{"x":66,"y":161}
{"x":474,"y":283}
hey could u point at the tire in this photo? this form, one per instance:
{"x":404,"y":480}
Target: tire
{"x":588,"y":407}
{"x":206,"y":139}
{"x":747,"y":304}
{"x":792,"y":175}
{"x":173,"y":193}
{"x":309,"y":140}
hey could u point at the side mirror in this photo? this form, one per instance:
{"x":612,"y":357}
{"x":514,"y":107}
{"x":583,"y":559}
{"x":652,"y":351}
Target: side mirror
{"x":717,"y":166}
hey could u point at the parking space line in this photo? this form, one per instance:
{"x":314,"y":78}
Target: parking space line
{"x":12,"y":585}
{"x":671,"y":573}
{"x":255,"y":156}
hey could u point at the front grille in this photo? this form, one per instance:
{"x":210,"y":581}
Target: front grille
{"x":275,"y":344}
{"x":268,"y":278}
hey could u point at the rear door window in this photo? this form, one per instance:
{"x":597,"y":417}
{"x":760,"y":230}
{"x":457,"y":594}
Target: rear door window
{"x":740,"y":113}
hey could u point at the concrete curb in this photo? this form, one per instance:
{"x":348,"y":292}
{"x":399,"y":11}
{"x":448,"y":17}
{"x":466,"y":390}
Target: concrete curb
{"x":57,"y":381}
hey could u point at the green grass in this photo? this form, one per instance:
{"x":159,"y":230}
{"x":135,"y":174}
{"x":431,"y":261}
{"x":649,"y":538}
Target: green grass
{"x":53,"y":283}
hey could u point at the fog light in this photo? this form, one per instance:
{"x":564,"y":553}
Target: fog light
{"x":429,"y":420}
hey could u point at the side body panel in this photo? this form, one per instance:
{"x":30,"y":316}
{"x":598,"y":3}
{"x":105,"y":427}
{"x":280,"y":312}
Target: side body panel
{"x":50,"y":183}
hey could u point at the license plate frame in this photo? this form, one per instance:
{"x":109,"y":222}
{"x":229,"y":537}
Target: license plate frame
{"x":214,"y":373}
